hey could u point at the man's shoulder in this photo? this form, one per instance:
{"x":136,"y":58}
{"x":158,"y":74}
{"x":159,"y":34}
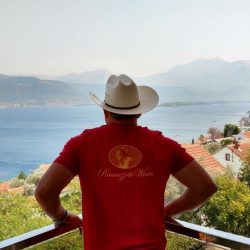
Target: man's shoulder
{"x":158,"y":135}
{"x":152,"y":132}
{"x":85,"y":135}
{"x":93,"y":131}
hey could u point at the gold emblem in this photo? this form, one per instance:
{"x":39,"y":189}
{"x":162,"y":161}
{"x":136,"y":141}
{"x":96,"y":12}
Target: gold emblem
{"x":125,"y":156}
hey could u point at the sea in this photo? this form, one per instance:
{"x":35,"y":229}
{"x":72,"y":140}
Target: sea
{"x":30,"y":136}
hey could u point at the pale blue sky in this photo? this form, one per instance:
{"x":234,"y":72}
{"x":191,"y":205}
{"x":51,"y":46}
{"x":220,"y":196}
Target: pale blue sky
{"x":136,"y":37}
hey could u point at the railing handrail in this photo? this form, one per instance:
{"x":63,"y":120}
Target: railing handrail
{"x":181,"y":227}
{"x":210,"y":235}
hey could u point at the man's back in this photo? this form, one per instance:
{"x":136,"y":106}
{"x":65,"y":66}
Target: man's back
{"x":123,"y":171}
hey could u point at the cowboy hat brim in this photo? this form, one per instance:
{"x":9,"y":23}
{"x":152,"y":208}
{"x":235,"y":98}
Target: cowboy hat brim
{"x":148,"y":100}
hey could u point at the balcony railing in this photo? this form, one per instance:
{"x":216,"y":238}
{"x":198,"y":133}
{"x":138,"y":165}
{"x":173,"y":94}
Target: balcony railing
{"x":180,"y":227}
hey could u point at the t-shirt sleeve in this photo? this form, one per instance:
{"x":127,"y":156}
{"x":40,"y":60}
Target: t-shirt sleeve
{"x":69,"y":156}
{"x":180,"y":158}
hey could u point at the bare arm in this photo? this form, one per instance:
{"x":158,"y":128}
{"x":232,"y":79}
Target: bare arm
{"x":199,"y":185}
{"x":48,"y":191}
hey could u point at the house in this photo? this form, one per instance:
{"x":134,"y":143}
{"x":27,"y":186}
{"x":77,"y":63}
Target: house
{"x":246,"y":134}
{"x":206,"y":160}
{"x":233,"y":154}
{"x":245,"y":122}
{"x":243,"y":135}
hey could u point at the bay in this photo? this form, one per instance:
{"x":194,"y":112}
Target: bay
{"x":31,"y":136}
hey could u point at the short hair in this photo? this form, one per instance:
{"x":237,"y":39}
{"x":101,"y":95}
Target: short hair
{"x":123,"y":117}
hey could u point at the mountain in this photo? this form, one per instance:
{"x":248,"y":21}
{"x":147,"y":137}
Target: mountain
{"x":204,"y":80}
{"x":202,"y":71}
{"x":30,"y":91}
{"x":88,"y":77}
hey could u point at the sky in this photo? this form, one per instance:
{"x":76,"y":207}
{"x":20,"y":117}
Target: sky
{"x":135,"y":37}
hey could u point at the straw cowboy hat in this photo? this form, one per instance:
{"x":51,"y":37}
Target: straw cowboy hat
{"x":124,"y":97}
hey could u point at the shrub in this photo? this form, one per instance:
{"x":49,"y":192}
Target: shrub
{"x":19,"y":214}
{"x":225,"y":142}
{"x":213,"y":147}
{"x":29,"y":190}
{"x":15,"y":182}
{"x":180,"y":242}
{"x":34,"y":178}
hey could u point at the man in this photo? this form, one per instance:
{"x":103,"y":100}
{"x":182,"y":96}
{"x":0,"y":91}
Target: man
{"x":123,"y":170}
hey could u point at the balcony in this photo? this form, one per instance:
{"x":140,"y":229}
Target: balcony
{"x":217,"y":238}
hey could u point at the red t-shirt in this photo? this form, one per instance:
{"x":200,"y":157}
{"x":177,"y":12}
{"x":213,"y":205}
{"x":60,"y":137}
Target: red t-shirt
{"x":123,"y":172}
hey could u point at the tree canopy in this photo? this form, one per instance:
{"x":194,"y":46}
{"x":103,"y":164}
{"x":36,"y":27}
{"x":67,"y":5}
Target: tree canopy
{"x":231,"y":129}
{"x":214,"y":133}
{"x":229,"y":209}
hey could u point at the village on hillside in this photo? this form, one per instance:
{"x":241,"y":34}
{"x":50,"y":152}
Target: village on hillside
{"x":217,"y":151}
{"x":230,"y":155}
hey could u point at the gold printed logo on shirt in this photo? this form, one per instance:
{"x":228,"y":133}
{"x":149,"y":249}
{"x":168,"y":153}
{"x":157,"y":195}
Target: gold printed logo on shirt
{"x":125,"y":156}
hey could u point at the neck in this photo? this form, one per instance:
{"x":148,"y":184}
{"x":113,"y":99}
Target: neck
{"x":111,"y":120}
{"x":122,"y":122}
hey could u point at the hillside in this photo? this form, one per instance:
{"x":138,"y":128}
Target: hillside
{"x":32,"y":91}
{"x":207,"y":80}
{"x":88,"y":77}
{"x":204,"y":80}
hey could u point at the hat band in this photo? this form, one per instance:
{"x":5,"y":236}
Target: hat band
{"x":135,"y":106}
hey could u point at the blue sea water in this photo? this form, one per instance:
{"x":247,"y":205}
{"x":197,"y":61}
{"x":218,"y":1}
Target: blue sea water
{"x":34,"y":135}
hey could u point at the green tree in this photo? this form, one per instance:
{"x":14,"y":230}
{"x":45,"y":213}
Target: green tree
{"x":21,"y":176}
{"x":244,"y":174}
{"x":225,"y":142}
{"x":231,"y":129}
{"x":229,"y":209}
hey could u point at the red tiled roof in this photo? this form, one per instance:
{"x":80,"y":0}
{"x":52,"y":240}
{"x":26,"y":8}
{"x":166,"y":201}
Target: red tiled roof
{"x":4,"y":187}
{"x":242,"y":150}
{"x":203,"y":157}
{"x":246,"y":134}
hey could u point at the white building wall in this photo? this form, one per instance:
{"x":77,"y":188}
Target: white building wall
{"x":234,"y":162}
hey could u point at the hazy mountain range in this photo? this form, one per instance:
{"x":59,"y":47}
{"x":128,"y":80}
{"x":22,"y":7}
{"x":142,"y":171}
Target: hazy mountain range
{"x":206,"y":80}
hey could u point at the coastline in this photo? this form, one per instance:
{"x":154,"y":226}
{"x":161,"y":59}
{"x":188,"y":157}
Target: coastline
{"x":5,"y":186}
{"x":181,"y":104}
{"x":163,"y":104}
